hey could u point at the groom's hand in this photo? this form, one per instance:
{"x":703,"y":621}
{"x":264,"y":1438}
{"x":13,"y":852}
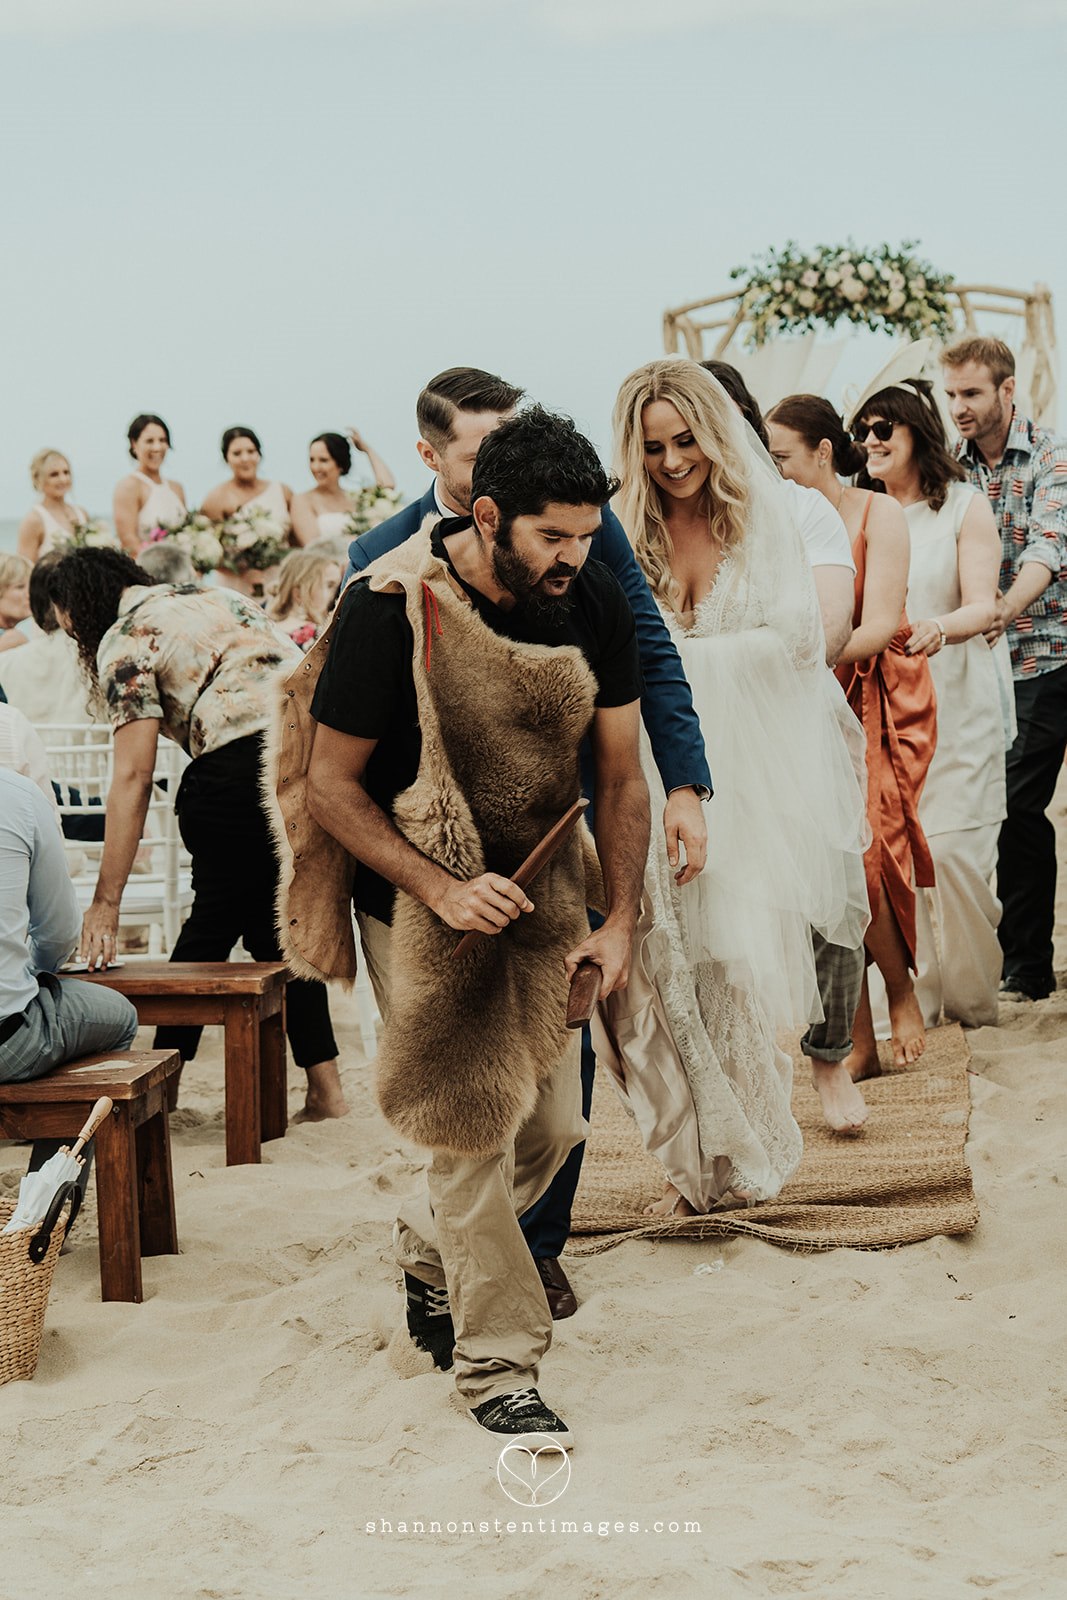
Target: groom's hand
{"x":685,"y":828}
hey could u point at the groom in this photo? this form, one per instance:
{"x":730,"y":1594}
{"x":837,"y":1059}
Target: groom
{"x":455,"y":411}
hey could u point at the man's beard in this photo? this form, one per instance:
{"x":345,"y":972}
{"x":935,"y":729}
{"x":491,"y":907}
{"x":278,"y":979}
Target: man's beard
{"x":513,"y":574}
{"x":992,"y":423}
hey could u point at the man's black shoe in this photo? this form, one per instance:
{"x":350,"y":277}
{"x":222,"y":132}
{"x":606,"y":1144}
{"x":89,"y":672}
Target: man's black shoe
{"x":562,"y":1300}
{"x":513,"y":1417}
{"x":429,"y":1318}
{"x":1013,"y":987}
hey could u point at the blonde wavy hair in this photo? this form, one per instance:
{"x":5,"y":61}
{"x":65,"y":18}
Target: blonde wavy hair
{"x":40,"y":461}
{"x":710,"y":415}
{"x":296,"y":575}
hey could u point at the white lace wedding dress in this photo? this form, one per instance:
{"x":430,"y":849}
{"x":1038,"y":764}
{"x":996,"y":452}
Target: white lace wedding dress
{"x":723,"y":965}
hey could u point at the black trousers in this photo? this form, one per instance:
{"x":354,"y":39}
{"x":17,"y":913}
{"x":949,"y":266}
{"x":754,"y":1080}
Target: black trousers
{"x":235,"y":875}
{"x":1026,"y":860}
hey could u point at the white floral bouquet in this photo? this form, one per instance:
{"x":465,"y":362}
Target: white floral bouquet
{"x":91,"y":535}
{"x":371,"y":504}
{"x":252,"y":540}
{"x":794,"y":290}
{"x":196,"y":535}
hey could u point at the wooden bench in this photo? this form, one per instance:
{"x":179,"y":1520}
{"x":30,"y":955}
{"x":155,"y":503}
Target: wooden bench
{"x":248,"y":999}
{"x":134,"y":1181}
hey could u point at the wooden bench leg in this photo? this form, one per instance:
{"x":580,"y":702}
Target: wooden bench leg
{"x":273,"y":1085}
{"x":155,"y":1187}
{"x":242,"y":1082}
{"x":117,"y":1207}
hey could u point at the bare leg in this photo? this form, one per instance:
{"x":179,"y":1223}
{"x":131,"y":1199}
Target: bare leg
{"x":886,"y":944}
{"x":325,"y":1097}
{"x":671,"y":1204}
{"x":863,"y":1062}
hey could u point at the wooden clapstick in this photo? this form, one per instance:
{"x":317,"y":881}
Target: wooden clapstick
{"x":585,"y":992}
{"x":539,"y":856}
{"x":101,"y":1109}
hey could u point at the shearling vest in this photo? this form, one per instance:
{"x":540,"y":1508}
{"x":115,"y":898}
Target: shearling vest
{"x":466,"y":1043}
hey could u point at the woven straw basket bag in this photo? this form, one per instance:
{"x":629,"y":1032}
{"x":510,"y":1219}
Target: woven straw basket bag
{"x":25,"y":1284}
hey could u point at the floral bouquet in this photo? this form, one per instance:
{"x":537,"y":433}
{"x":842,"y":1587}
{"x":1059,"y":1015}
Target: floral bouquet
{"x":252,"y":540}
{"x":371,"y":504}
{"x":794,"y":290}
{"x":91,"y":535}
{"x":196,"y":535}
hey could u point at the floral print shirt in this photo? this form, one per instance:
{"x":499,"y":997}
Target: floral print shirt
{"x":201,"y":661}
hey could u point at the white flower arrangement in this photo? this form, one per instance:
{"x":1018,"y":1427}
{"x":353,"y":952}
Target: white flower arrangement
{"x":196,"y":535}
{"x":792,"y":291}
{"x":371,"y":505}
{"x":91,"y":535}
{"x":251,"y":540}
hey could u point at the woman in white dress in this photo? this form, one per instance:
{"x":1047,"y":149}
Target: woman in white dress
{"x":144,"y":499}
{"x":952,"y":589}
{"x":246,"y":490}
{"x":326,"y":510}
{"x":727,"y":962}
{"x":52,"y":522}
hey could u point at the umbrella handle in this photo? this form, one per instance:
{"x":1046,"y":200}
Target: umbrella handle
{"x":38,"y":1246}
{"x":102,"y":1109}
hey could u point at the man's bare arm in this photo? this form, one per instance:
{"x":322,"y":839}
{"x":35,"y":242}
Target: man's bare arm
{"x":339,"y":803}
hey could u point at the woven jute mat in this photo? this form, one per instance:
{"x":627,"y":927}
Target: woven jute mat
{"x":903,"y":1178}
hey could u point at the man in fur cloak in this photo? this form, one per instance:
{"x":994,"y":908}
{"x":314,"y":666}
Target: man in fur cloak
{"x":438,"y":723}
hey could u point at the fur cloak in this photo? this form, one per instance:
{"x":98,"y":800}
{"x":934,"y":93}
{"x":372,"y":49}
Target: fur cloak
{"x":466,"y":1043}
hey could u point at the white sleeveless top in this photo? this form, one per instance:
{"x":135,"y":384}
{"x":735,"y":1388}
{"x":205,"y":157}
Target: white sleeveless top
{"x":965,"y":783}
{"x":55,"y":534}
{"x":333,"y":522}
{"x":163,"y":508}
{"x":272,"y":499}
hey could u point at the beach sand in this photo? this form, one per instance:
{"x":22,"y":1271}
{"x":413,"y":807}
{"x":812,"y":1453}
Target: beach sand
{"x":857,"y":1424}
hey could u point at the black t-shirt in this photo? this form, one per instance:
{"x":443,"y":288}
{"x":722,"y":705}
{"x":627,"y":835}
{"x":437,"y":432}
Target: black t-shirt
{"x":366,"y":688}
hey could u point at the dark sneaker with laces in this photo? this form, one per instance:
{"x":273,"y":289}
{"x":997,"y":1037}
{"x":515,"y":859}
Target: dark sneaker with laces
{"x":429,"y":1319}
{"x":512,"y":1417}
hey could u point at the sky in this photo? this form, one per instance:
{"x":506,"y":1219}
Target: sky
{"x":289,"y":213}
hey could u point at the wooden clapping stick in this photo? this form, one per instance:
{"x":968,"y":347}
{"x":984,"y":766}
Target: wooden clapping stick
{"x":585,"y":992}
{"x":101,"y":1109}
{"x":539,"y":857}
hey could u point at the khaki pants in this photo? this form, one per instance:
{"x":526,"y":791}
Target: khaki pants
{"x":462,"y":1231}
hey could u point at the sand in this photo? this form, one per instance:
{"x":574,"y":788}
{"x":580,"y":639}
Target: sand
{"x":851,"y":1424}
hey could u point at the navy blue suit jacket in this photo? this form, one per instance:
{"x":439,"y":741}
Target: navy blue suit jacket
{"x":666,"y":704}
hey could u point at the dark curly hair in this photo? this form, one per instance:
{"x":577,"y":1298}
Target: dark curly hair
{"x":916,"y":408}
{"x":337,"y":448}
{"x":87,"y":586}
{"x":815,"y":420}
{"x":533,"y":460}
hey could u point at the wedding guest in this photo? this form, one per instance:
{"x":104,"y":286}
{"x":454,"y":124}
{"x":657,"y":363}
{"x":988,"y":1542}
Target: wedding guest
{"x":144,"y":499}
{"x":197,"y":667}
{"x":14,"y":600}
{"x":54,"y":519}
{"x":21,"y":750}
{"x":247,"y":491}
{"x":892,"y":694}
{"x":327,"y":509}
{"x":728,"y":960}
{"x":839,"y":969}
{"x":1022,"y":469}
{"x":304,"y":593}
{"x":44,"y":680}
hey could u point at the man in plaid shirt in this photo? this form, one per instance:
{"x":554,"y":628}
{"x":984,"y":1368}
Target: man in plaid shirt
{"x":1023,"y":470}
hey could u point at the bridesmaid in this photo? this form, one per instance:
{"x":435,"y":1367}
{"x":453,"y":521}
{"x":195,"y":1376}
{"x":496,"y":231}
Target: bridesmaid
{"x":243,"y":454}
{"x":892,"y":693}
{"x":144,"y":499}
{"x":53,"y":520}
{"x":327,"y":509}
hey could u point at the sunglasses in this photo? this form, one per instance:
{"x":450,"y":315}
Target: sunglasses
{"x":883,"y":431}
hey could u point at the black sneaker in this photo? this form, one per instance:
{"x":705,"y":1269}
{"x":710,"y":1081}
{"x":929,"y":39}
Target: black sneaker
{"x":429,"y":1318}
{"x":513,"y":1416}
{"x":1015,"y":988}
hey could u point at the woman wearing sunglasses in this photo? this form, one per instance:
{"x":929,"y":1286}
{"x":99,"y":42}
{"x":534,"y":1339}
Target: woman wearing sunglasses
{"x":892,"y":693}
{"x":952,"y":588}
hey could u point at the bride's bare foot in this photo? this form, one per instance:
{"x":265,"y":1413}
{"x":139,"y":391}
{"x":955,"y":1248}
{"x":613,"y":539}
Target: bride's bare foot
{"x":842,"y":1104}
{"x":325,"y":1097}
{"x":906,"y":1026}
{"x":671,"y":1204}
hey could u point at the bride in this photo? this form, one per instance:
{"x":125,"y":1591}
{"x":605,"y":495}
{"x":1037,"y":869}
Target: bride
{"x":724,"y":965}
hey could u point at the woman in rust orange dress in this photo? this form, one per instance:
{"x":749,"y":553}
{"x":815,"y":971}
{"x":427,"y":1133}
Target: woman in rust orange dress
{"x":892,"y":693}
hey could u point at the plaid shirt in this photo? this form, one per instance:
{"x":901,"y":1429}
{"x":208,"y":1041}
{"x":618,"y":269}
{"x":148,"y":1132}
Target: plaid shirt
{"x":1028,"y":492}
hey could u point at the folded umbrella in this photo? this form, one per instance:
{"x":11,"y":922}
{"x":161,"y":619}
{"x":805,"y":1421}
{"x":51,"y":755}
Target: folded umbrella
{"x":38,"y":1189}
